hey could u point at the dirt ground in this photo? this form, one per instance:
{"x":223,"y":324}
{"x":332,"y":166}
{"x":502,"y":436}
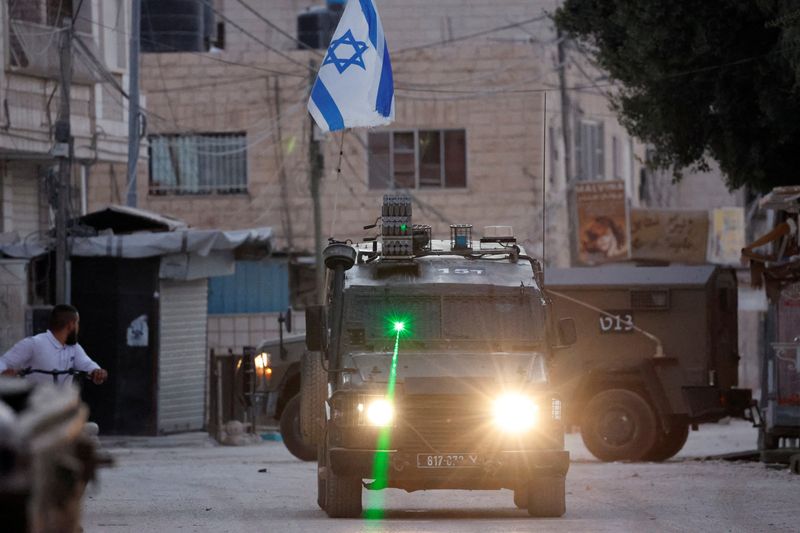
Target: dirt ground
{"x":185,"y":483}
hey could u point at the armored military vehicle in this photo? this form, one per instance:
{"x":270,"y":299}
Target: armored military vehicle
{"x":278,"y":367}
{"x":656,"y":354}
{"x":435,"y":355}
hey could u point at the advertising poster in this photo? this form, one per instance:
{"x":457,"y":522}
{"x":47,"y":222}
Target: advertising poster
{"x":671,"y":235}
{"x":727,"y":236}
{"x":602,"y":222}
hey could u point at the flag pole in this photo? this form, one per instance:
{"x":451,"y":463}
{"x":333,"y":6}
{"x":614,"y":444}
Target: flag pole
{"x":338,"y":182}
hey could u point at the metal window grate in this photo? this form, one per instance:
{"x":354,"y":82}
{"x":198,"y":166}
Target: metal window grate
{"x":209,"y":163}
{"x":650,"y":299}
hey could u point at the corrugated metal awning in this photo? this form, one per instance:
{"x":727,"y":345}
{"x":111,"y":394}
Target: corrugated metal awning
{"x":140,"y":245}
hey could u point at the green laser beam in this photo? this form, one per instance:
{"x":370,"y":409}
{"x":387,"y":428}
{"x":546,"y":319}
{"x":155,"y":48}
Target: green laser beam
{"x":380,"y":466}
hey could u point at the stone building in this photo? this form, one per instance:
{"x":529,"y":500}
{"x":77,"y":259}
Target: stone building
{"x":29,"y":91}
{"x":229,"y":133}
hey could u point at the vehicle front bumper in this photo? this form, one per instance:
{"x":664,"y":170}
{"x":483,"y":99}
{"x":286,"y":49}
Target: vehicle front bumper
{"x":503,"y":469}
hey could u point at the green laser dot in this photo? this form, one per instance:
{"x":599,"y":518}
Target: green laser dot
{"x":399,"y":326}
{"x":403,"y":227}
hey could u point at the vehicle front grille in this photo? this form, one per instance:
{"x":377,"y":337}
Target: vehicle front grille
{"x":444,"y":423}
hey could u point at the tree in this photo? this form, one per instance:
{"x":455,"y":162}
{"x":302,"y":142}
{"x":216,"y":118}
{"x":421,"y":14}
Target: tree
{"x":713,"y":79}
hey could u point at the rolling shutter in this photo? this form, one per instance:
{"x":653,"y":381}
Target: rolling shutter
{"x":182,"y":367}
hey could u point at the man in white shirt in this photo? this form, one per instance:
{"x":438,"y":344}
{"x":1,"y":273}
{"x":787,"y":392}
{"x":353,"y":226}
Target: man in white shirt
{"x":55,"y":349}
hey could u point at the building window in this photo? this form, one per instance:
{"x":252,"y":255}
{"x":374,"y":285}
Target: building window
{"x":589,"y":150}
{"x":205,"y":163}
{"x":419,"y":159}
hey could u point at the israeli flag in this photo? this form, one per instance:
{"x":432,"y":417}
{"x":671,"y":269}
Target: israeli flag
{"x":354,"y":87}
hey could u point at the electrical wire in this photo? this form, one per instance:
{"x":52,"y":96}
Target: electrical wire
{"x":254,"y":38}
{"x":481,"y":33}
{"x":209,"y":85}
{"x":263,"y":136}
{"x":278,"y":28}
{"x":205,"y":55}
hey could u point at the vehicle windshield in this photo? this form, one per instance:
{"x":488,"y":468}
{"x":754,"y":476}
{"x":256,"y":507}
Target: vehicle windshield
{"x":506,"y":321}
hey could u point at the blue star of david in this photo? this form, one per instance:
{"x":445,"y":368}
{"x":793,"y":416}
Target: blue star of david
{"x":359,"y":47}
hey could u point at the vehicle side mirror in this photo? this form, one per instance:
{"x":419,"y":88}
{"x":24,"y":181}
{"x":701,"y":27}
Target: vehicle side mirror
{"x":567,"y":334}
{"x":316,"y":328}
{"x":288,"y":320}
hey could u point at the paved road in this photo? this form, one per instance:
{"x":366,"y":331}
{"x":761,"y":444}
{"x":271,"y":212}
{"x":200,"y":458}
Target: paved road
{"x":194,"y":486}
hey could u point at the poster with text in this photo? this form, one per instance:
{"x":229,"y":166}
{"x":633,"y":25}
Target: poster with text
{"x":602,"y":222}
{"x":669,"y":235}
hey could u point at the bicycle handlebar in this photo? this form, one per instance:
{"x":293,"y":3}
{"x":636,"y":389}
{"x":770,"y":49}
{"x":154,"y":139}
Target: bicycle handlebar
{"x":80,"y":374}
{"x":54,"y":372}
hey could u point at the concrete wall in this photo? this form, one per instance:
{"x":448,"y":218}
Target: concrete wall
{"x":13,"y":299}
{"x":23,"y":208}
{"x":696,"y":190}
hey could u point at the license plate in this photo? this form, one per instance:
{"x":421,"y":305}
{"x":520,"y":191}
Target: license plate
{"x":448,"y":460}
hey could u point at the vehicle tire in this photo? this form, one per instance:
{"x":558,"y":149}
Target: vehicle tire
{"x":547,"y":497}
{"x":290,"y":431}
{"x":313,"y":392}
{"x":619,"y":425}
{"x":342,"y":495}
{"x":668,"y":444}
{"x":521,"y":497}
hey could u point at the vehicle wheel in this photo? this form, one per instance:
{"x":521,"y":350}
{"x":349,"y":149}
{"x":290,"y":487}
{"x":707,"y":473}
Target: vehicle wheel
{"x":290,"y":431}
{"x":547,"y":497}
{"x":321,"y":473}
{"x":619,"y":425}
{"x":342,"y":495}
{"x":521,"y":497}
{"x":668,"y":444}
{"x":313,"y":392}
{"x":766,"y":441}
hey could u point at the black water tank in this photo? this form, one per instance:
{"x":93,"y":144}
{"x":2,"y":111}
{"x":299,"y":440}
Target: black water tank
{"x":176,"y":26}
{"x":315,"y":27}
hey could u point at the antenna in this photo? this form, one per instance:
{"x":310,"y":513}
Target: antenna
{"x":544,"y":183}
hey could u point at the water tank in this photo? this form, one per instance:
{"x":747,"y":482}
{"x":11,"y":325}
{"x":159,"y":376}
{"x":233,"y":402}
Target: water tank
{"x":315,"y":27}
{"x":176,"y":26}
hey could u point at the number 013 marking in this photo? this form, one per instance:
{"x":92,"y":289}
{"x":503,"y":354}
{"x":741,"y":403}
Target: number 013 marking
{"x":619,"y":322}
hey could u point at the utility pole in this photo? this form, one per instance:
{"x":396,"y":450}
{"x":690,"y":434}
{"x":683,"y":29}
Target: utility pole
{"x":315,"y":175}
{"x":279,"y":157}
{"x":63,"y":152}
{"x":566,"y":116}
{"x":133,"y":102}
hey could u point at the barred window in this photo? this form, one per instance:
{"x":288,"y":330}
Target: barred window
{"x":203,"y":163}
{"x":589,"y":150}
{"x":419,"y":159}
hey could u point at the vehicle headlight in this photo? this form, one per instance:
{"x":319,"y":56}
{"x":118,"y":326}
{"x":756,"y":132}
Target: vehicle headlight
{"x":376,"y":412}
{"x":262,"y":360}
{"x":515,"y":413}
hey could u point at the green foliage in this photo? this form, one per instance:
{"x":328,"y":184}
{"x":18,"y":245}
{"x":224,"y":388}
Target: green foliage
{"x":710,"y":78}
